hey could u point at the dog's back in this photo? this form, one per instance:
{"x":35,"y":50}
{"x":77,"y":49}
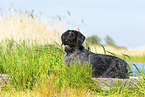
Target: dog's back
{"x":103,"y":65}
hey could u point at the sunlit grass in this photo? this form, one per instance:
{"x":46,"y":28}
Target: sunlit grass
{"x":139,"y":59}
{"x":20,"y":27}
{"x":26,"y":27}
{"x":117,"y":50}
{"x":42,"y":69}
{"x":31,"y":55}
{"x":135,"y":56}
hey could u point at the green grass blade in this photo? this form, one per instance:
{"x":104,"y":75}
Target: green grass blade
{"x":124,"y":55}
{"x":103,"y":49}
{"x":111,"y":53}
{"x":143,"y":69}
{"x":137,"y":69}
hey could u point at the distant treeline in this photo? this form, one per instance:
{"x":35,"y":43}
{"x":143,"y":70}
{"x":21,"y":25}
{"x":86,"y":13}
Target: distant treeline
{"x":96,"y":40}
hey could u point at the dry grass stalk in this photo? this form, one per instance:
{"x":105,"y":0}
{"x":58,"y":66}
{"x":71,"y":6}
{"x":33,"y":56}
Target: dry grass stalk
{"x":21,"y":27}
{"x":118,"y":51}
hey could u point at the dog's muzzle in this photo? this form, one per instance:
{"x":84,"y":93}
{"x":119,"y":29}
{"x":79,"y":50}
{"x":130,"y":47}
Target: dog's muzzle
{"x":67,"y":46}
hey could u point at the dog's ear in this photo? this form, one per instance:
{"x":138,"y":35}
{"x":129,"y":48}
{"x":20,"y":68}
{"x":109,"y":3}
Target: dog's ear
{"x":62,"y":36}
{"x":80,"y":38}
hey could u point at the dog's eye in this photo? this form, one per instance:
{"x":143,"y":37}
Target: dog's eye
{"x":72,"y":35}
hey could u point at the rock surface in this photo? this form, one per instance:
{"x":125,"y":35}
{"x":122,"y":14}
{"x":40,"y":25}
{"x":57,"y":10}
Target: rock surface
{"x":104,"y":83}
{"x":107,"y":83}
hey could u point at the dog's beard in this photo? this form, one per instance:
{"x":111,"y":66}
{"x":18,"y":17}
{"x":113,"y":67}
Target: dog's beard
{"x":69,"y":49}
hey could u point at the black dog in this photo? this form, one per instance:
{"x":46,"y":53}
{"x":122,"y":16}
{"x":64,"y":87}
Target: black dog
{"x":103,"y":65}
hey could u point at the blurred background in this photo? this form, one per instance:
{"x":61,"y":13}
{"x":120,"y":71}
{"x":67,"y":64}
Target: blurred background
{"x":115,"y":24}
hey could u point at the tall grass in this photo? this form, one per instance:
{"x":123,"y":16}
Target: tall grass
{"x":27,"y":27}
{"x":24,"y":64}
{"x":43,"y":69}
{"x":35,"y":64}
{"x":40,"y":70}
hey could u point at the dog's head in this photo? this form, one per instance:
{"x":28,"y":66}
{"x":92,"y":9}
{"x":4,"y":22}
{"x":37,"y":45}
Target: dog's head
{"x":72,"y":40}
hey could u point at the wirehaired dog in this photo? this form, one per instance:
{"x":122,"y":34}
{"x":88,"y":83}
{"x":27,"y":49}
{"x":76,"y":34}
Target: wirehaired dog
{"x":105,"y":66}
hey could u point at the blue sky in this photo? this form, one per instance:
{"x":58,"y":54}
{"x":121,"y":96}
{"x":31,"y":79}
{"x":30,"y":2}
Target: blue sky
{"x":122,"y":20}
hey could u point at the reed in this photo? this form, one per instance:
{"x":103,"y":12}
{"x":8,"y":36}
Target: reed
{"x":26,"y":27}
{"x":34,"y":62}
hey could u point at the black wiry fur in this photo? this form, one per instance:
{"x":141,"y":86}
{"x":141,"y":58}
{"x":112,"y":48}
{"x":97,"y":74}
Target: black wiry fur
{"x":103,"y":65}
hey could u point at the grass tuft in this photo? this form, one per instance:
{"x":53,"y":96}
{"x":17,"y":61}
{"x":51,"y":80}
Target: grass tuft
{"x":35,"y":65}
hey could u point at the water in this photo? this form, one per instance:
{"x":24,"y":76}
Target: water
{"x":139,"y":66}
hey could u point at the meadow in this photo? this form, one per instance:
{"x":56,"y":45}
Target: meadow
{"x":137,"y":56}
{"x":32,"y":55}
